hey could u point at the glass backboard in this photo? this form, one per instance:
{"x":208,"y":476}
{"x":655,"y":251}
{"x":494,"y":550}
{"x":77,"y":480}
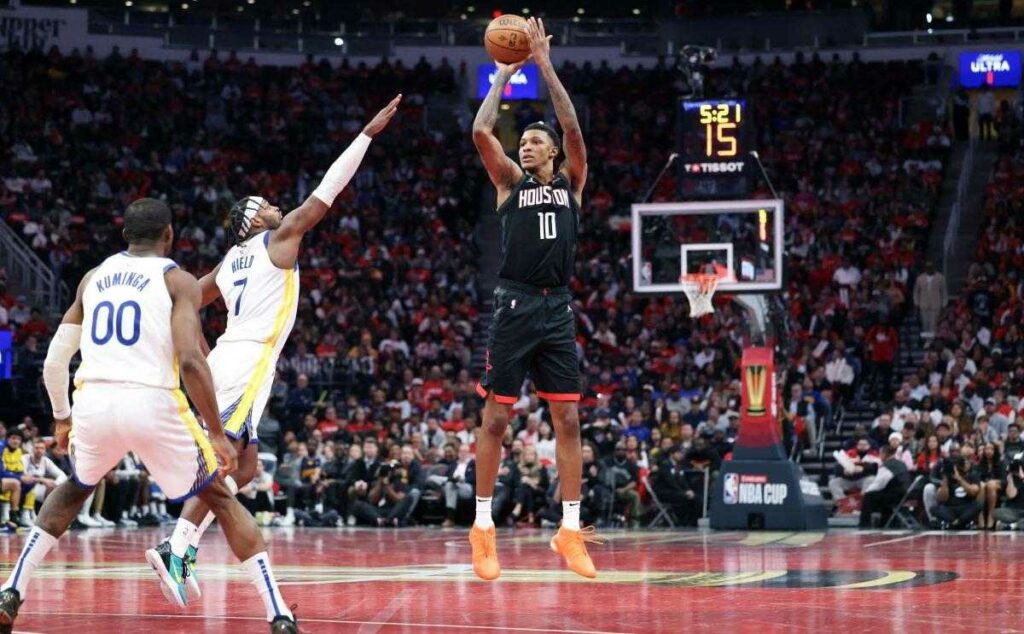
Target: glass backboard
{"x":740,"y":240}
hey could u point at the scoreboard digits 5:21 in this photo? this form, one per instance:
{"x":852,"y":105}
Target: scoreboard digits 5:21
{"x":713,"y":136}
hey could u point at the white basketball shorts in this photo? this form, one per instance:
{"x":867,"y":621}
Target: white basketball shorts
{"x":110,"y":419}
{"x":243,"y":374}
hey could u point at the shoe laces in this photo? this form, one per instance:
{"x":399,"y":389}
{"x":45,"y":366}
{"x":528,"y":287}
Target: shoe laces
{"x":577,"y":545}
{"x":589,"y":535}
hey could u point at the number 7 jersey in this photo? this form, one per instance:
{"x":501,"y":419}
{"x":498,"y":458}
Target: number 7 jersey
{"x":126,"y":324}
{"x":261,"y":298}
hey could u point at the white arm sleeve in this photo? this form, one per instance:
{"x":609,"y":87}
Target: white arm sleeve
{"x":55,"y":369}
{"x":341,"y":172}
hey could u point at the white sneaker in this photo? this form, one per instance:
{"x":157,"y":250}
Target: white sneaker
{"x":351,"y":521}
{"x":104,"y":522}
{"x":88,"y":522}
{"x":125,"y":522}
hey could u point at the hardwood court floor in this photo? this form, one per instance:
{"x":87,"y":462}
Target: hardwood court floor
{"x":419,"y":580}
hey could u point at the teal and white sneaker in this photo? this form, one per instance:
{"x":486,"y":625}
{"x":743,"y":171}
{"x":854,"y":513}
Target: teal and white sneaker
{"x":171,"y":570}
{"x":191,"y":578}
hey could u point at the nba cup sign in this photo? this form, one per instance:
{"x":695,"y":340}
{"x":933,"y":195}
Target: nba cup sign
{"x":744,"y":488}
{"x":760,"y":487}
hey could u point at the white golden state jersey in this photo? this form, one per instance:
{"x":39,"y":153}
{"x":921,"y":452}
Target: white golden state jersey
{"x":261,"y":298}
{"x":126,"y":329}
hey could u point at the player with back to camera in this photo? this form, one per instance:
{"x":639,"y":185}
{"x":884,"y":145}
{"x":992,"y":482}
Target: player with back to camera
{"x":534,"y":328}
{"x":136,"y":320}
{"x":259,"y":281}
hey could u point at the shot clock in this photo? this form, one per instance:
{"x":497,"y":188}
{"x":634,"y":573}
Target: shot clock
{"x":714,"y":137}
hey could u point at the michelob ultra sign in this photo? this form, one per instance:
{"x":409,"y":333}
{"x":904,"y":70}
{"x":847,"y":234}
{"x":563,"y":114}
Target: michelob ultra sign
{"x":994,"y":69}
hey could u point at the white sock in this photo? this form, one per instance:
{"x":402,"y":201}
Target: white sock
{"x":181,"y":536}
{"x":261,"y":576}
{"x":571,"y":515}
{"x":198,"y":535}
{"x":483,"y":513}
{"x":38,"y":545}
{"x":201,"y":529}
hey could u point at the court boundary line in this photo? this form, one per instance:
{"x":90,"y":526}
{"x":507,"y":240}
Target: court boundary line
{"x":895,"y":540}
{"x":225,"y":617}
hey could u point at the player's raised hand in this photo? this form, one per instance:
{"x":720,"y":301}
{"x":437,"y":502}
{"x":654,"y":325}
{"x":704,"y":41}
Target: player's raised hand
{"x":511,"y":69}
{"x":540,"y":41}
{"x":225,"y":455}
{"x":62,"y":432}
{"x":382,"y":118}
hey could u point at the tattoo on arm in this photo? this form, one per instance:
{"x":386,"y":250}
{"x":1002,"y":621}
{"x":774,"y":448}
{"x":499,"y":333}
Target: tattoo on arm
{"x":502,"y":171}
{"x":487,"y":115}
{"x":575,"y":148}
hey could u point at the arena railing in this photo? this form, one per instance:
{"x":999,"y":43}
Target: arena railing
{"x":953,"y":228}
{"x":374,"y":38}
{"x":29,"y":275}
{"x":943,"y":37}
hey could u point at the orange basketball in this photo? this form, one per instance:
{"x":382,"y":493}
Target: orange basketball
{"x":505,"y":39}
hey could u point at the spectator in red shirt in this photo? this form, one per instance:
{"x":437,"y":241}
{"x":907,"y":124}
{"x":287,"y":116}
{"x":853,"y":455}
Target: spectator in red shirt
{"x":882,"y":343}
{"x":455,"y":422}
{"x":329,"y":425}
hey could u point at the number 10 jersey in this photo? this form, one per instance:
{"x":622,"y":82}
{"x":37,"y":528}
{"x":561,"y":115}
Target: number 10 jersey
{"x":539,"y":224}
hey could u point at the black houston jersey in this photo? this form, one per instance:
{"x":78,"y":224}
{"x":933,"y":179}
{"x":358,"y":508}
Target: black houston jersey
{"x":539,"y":224}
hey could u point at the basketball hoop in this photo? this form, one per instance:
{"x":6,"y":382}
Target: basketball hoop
{"x":699,"y":289}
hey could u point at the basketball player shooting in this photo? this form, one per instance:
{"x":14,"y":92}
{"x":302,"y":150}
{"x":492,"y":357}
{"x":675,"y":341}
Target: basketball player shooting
{"x":259,"y":281}
{"x":534,"y":328}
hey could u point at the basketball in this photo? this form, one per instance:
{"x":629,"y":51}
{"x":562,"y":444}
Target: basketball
{"x":505,"y":39}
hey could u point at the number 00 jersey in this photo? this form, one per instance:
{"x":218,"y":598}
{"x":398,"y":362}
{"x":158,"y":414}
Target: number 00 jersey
{"x":539,"y":224}
{"x":126,"y":328}
{"x":261,"y":298}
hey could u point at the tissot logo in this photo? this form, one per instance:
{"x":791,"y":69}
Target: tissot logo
{"x":723,"y":167}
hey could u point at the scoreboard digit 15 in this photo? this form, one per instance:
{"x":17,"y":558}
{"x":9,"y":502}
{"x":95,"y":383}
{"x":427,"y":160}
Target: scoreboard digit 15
{"x":714,"y":136}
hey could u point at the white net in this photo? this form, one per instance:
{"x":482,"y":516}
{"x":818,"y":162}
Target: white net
{"x":699,"y":290}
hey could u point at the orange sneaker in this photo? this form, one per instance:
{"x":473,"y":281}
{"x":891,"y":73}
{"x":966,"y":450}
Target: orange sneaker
{"x":572,"y":545}
{"x":485,"y":553}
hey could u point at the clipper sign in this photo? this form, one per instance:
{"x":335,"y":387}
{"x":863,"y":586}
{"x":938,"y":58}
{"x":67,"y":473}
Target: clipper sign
{"x":30,"y":28}
{"x":995,"y":69}
{"x":525,"y":84}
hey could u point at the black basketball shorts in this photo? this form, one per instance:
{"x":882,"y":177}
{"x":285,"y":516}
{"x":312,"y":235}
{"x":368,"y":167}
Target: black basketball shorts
{"x":533,"y":331}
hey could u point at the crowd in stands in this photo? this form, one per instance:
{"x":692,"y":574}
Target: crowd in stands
{"x":956,"y":420}
{"x":373,"y":414}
